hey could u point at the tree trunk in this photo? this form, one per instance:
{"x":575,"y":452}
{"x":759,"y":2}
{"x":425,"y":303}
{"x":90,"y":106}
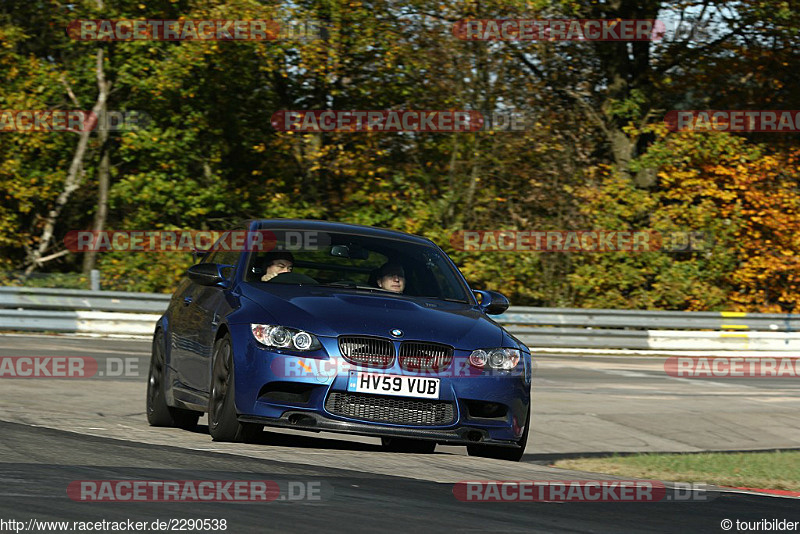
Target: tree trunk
{"x":103,"y":179}
{"x":75,"y":174}
{"x":103,"y":171}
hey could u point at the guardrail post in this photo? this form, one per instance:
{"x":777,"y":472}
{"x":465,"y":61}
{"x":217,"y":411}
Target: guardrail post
{"x":94,"y":279}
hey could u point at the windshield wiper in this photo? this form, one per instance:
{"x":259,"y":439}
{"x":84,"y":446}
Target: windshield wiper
{"x":353,"y":285}
{"x":447,"y":299}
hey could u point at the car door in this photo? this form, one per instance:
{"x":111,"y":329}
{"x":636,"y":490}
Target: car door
{"x":200,"y":311}
{"x":179,"y":331}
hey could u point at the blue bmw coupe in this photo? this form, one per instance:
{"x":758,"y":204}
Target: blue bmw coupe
{"x":335,"y":327}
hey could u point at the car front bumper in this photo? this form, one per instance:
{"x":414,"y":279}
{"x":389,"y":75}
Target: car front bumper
{"x":257,"y":368}
{"x":311,"y":421}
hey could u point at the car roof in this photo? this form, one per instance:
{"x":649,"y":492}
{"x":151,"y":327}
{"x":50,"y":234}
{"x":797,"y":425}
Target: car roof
{"x":337,"y":227}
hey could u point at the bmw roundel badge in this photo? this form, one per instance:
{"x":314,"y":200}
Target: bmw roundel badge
{"x":397,"y":333}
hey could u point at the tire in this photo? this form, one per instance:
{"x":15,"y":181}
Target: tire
{"x":223,"y":422}
{"x":416,"y":446}
{"x":159,"y":413}
{"x":511,"y":454}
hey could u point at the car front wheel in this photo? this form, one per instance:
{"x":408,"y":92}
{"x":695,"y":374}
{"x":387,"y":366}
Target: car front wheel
{"x":223,"y":422}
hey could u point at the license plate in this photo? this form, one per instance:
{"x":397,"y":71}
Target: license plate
{"x":398,"y":385}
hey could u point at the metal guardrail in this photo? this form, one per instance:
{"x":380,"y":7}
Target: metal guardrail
{"x":82,"y":322}
{"x":34,"y":309}
{"x":653,"y":330}
{"x":117,"y":312}
{"x":661,"y":340}
{"x":676,"y":320}
{"x":36,"y":298}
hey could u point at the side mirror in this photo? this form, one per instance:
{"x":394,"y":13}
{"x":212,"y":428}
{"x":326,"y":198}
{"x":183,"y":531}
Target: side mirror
{"x":206,"y":274}
{"x":492,"y":302}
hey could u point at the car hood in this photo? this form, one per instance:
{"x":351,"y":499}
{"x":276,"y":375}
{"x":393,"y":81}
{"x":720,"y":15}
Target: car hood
{"x":333,"y":312}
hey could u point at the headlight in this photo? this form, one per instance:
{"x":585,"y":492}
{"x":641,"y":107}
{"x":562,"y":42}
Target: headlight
{"x":302,"y":340}
{"x":478,"y":358}
{"x":504,"y":359}
{"x":284,"y":338}
{"x":279,"y":337}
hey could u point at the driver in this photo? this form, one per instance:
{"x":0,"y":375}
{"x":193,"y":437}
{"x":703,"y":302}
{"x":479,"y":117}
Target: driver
{"x":276,"y":263}
{"x":392,"y":277}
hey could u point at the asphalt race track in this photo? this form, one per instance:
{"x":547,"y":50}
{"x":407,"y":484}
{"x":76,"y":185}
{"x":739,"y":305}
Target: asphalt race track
{"x":58,"y":431}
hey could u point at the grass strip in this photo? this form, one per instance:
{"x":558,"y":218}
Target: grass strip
{"x":767,"y":470}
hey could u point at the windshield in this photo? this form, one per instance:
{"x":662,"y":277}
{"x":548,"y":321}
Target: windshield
{"x":357,"y":262}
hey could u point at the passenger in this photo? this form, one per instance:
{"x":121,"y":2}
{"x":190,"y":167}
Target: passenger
{"x":276,"y":263}
{"x":392,"y":277}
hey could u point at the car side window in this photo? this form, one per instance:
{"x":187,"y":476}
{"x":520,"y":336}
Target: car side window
{"x":221,"y":256}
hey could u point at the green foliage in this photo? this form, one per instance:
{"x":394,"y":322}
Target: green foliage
{"x":210,"y":156}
